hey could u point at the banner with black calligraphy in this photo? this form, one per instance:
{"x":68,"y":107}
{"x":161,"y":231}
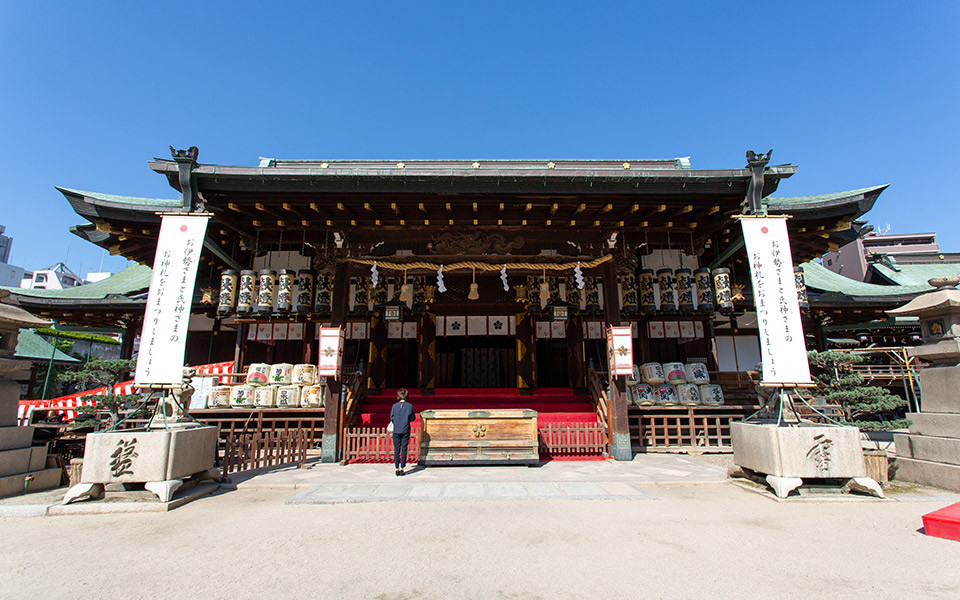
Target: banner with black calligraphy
{"x":782,"y":346}
{"x":164,"y":336}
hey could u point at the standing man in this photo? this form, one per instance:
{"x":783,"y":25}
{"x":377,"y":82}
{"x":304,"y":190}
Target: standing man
{"x":401,"y":415}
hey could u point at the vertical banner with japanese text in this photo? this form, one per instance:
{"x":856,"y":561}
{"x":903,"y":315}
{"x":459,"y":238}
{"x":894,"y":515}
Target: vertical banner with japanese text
{"x":164,"y":336}
{"x":782,"y":346}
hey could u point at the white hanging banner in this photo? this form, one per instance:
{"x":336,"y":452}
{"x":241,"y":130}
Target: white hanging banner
{"x":330,"y":355}
{"x":620,"y":351}
{"x":164,"y":335}
{"x":782,"y":346}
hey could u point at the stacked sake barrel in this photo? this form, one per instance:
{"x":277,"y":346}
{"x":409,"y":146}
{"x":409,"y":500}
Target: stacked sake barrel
{"x":674,"y":383}
{"x":282,"y":385}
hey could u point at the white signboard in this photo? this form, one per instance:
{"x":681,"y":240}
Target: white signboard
{"x":620,"y":351}
{"x":330,"y":358}
{"x":782,"y":347}
{"x":164,"y":335}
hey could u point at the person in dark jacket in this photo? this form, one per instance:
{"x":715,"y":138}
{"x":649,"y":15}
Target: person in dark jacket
{"x":401,"y":415}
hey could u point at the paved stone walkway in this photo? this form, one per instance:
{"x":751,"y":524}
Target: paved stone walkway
{"x":333,"y":484}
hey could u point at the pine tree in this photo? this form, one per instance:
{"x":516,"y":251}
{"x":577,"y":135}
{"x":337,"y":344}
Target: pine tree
{"x":103,"y":372}
{"x":866,"y":406}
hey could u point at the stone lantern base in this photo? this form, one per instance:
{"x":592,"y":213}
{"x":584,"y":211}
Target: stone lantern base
{"x":930,"y":453}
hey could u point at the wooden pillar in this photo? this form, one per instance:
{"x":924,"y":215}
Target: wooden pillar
{"x":427,"y":354}
{"x":377,"y":359}
{"x":575,"y":367}
{"x":126,"y":338}
{"x":619,"y":424}
{"x":238,"y":347}
{"x":331,"y":413}
{"x":526,"y":353}
{"x":309,"y":335}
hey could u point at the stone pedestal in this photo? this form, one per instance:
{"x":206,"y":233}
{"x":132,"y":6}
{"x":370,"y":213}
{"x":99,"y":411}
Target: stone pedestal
{"x":930,"y":453}
{"x":23,"y":467}
{"x":160,"y":459}
{"x":788,"y":455}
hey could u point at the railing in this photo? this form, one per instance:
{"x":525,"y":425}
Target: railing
{"x":601,"y":402}
{"x":573,"y":439}
{"x":375,"y":445}
{"x":248,"y":451}
{"x":685,"y":429}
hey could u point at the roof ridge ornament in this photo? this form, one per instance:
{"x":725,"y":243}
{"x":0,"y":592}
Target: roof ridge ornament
{"x":756,"y":163}
{"x":186,"y":161}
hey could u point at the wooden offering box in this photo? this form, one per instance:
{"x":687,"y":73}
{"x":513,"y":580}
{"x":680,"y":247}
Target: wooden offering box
{"x":506,"y":435}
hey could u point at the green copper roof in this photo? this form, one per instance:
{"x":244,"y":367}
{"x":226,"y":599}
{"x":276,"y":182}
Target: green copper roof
{"x":819,"y":277}
{"x":797,"y":201}
{"x":134,"y":278}
{"x":131,"y":200}
{"x":31,"y":346}
{"x":916,"y":274}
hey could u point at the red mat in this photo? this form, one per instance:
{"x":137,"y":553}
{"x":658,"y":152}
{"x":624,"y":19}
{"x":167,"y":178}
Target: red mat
{"x":943,"y":523}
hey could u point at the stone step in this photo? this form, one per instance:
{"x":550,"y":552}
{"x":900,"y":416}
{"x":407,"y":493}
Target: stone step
{"x":22,"y":460}
{"x":927,"y":447}
{"x":15,"y":437}
{"x":935,"y":424}
{"x":925,"y":472}
{"x":44,"y":479}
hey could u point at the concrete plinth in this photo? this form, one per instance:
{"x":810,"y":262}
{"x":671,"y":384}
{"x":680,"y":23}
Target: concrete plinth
{"x":44,"y":479}
{"x":14,"y":461}
{"x":9,"y":402}
{"x":15,"y":437}
{"x":939,"y":386}
{"x":925,"y":472}
{"x":927,"y":447}
{"x":936,"y":424}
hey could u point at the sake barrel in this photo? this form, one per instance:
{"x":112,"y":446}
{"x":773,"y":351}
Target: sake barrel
{"x":689,"y":394}
{"x":280,"y":373}
{"x":711,"y":394}
{"x":288,"y":396}
{"x":219,"y":397}
{"x":265,"y":396}
{"x":696,"y":373}
{"x":258,"y":374}
{"x":312,"y":396}
{"x":305,"y":375}
{"x":674,"y":373}
{"x":241,"y":396}
{"x":666,"y":395}
{"x":653,"y":373}
{"x":645,"y":395}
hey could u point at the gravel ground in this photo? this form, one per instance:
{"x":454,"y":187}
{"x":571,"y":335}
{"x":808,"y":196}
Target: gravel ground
{"x":693,"y":541}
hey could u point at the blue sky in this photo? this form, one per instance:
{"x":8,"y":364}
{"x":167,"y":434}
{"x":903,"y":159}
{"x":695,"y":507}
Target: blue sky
{"x":856,"y":94}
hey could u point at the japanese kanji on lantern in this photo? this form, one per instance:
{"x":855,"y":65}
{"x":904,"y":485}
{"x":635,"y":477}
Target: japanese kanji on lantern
{"x":782,"y":346}
{"x":167,"y":315}
{"x":331,"y":352}
{"x":620,"y":350}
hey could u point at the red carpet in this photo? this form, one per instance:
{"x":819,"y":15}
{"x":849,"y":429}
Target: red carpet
{"x":553,"y":405}
{"x":943,"y":523}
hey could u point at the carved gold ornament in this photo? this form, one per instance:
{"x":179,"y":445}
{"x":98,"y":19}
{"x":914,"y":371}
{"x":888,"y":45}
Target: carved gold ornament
{"x":479,"y":431}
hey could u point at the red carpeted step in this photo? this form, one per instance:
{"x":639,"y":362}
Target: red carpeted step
{"x":943,"y":523}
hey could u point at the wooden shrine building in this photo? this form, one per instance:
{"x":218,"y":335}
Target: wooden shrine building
{"x":472,"y":280}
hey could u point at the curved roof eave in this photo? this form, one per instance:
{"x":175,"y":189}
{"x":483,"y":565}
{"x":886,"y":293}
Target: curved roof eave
{"x":826,"y":205}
